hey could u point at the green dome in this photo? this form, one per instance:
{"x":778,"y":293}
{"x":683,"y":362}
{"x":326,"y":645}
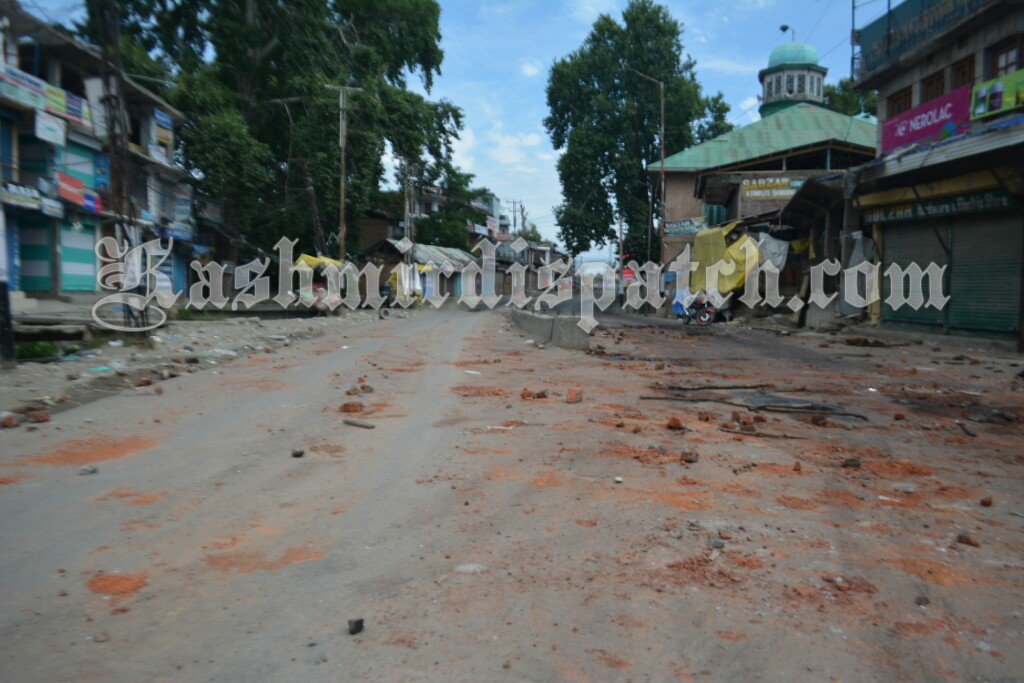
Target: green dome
{"x":792,"y":53}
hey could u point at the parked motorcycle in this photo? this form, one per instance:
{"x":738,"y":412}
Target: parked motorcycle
{"x":700,"y":309}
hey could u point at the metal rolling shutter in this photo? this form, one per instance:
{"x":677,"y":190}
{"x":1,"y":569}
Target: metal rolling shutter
{"x":986,"y":273}
{"x":78,"y":258}
{"x":912,"y":243}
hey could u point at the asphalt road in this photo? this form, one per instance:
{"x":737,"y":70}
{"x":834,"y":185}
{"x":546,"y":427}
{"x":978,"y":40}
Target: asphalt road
{"x":489,"y":528}
{"x":248,"y":555}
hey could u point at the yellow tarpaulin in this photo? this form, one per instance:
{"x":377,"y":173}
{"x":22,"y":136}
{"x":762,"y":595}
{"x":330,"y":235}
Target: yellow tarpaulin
{"x":305,"y":260}
{"x":709,"y":247}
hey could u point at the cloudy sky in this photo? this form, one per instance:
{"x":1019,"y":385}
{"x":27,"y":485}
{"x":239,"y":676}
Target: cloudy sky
{"x":498,"y":52}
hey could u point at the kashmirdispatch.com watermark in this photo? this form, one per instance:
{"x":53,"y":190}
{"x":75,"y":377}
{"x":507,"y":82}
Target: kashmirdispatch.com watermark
{"x":135,"y":276}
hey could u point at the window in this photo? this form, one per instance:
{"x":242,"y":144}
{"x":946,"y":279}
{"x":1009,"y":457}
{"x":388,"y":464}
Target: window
{"x":789,"y":84}
{"x":933,"y":86}
{"x":962,"y":73}
{"x":898,"y":102}
{"x":768,"y":92}
{"x":778,"y":85}
{"x":800,"y":80}
{"x":1005,"y":58}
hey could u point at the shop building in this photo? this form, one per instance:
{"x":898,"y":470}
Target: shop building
{"x":946,"y":186}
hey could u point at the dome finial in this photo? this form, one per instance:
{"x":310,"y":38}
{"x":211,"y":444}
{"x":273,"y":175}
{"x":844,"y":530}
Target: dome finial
{"x":786,"y":27}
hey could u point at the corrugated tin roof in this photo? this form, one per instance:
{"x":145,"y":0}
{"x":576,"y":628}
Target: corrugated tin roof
{"x":425,"y":253}
{"x":799,"y":125}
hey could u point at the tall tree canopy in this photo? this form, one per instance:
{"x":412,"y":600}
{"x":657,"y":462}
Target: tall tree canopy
{"x":844,"y":99}
{"x":252,"y":77}
{"x":605,"y":118}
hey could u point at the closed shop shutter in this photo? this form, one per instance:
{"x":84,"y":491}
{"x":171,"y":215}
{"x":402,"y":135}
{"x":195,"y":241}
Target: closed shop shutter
{"x":986,"y":272}
{"x":908,"y":243}
{"x":34,"y":240}
{"x":78,"y":258}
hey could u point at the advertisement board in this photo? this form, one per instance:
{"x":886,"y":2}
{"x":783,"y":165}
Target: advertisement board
{"x":771,"y":187}
{"x":974,"y":202}
{"x":937,"y":119}
{"x":51,"y":129}
{"x":685,"y":226}
{"x":998,"y":96}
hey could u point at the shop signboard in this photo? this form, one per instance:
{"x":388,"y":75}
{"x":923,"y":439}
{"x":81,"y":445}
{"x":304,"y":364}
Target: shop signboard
{"x":908,"y":25}
{"x":182,"y":208}
{"x":74,"y":191}
{"x":974,"y":202}
{"x":22,"y":88}
{"x":686,"y":226}
{"x":939,"y":119}
{"x":52,"y":208}
{"x":101,"y":171}
{"x":51,"y":129}
{"x":770,"y":187}
{"x":21,"y":196}
{"x":66,"y":105}
{"x":998,"y":96}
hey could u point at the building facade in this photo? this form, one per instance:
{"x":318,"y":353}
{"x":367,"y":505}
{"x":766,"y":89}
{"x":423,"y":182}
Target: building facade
{"x":759,"y":167}
{"x":946,"y":186}
{"x":56,"y":173}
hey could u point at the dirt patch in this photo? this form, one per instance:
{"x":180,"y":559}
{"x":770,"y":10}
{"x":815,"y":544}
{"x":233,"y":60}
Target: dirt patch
{"x":796,"y":503}
{"x":546,"y":480}
{"x":467,"y":391}
{"x":130,"y":497}
{"x":248,"y":561}
{"x":7,"y":481}
{"x":116,"y":584}
{"x":895,"y":468}
{"x":91,"y":449}
{"x":930,"y":570}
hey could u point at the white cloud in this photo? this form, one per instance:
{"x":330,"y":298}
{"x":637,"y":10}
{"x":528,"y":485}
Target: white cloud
{"x":462,"y":147}
{"x":724,"y":65}
{"x":586,"y":11}
{"x":529,"y":68}
{"x":748,"y":110}
{"x":511,"y":150}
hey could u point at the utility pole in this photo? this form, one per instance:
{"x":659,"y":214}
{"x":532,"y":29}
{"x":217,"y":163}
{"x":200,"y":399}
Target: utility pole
{"x":661,"y":136}
{"x":619,"y":281}
{"x":342,"y":141}
{"x":515,"y":221}
{"x":410,"y":232}
{"x":122,"y":208}
{"x":522,"y":214}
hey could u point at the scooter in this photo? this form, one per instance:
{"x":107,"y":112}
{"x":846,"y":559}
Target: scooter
{"x":700,"y":309}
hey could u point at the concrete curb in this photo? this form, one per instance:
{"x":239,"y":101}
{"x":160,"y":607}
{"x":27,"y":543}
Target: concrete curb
{"x":549,"y":329}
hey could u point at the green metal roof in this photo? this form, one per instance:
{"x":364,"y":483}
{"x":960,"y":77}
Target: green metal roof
{"x":798,"y":125}
{"x":792,"y":53}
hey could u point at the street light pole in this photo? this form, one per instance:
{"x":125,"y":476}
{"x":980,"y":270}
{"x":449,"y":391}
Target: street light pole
{"x":661,"y":140}
{"x":342,"y":139}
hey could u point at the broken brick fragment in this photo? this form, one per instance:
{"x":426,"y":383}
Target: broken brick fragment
{"x":899,"y":416}
{"x":575,"y":396}
{"x":986,"y":502}
{"x":674,"y":423}
{"x":351,"y":407}
{"x":528,"y":395}
{"x":705,"y":417}
{"x":10,"y":421}
{"x":37,"y":416}
{"x":964,"y":539}
{"x":689,"y":457}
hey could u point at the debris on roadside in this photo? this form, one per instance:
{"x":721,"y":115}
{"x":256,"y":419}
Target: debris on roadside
{"x":351,"y":407}
{"x":298,"y":452}
{"x":89,"y":469}
{"x":359,"y":423}
{"x":528,"y":395}
{"x":355,"y":626}
{"x":574,"y":396}
{"x":965,"y":539}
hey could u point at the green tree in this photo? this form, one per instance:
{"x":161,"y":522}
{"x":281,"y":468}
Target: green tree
{"x":844,"y":99}
{"x":605,"y":117}
{"x":531,"y":233}
{"x":252,"y":77}
{"x":448,"y":227}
